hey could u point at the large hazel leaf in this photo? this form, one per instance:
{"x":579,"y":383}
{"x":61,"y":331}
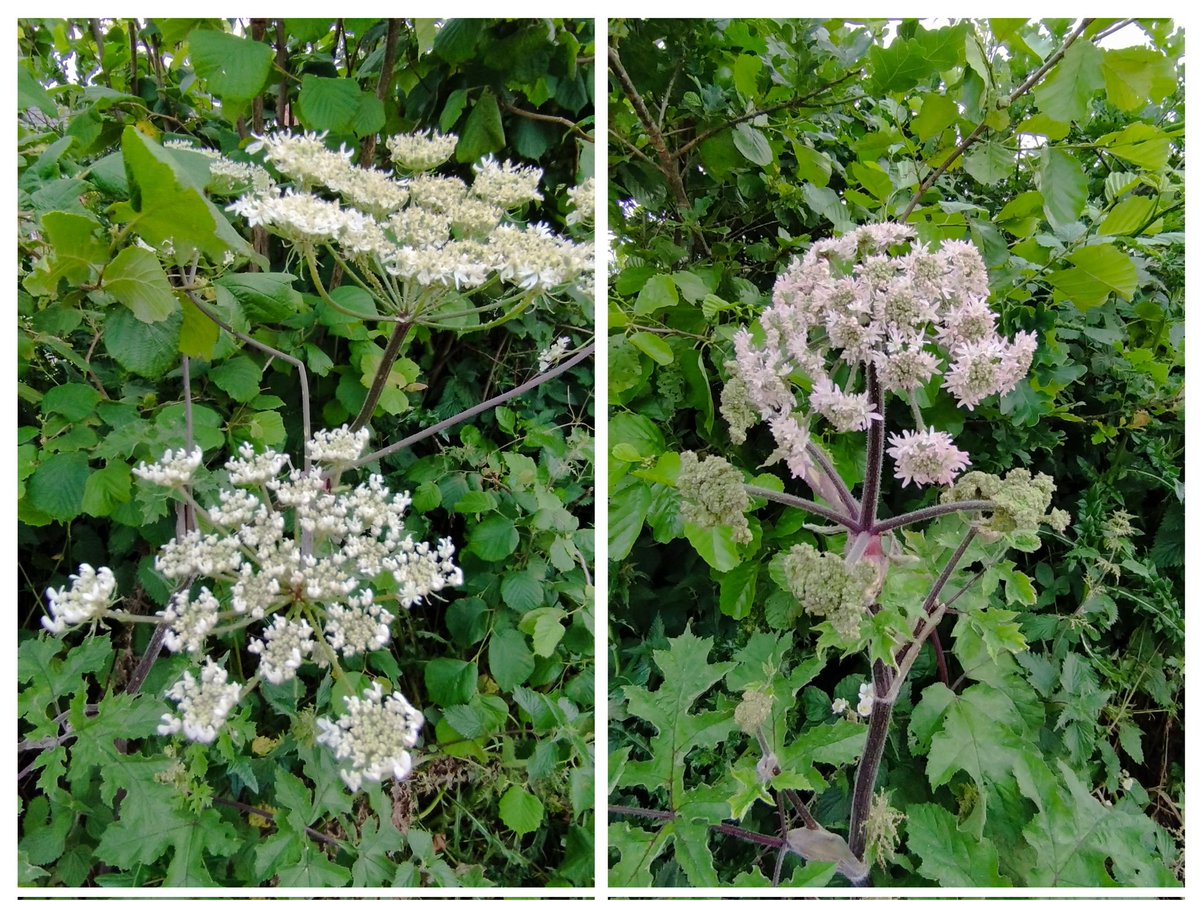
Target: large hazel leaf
{"x":1063,"y":186}
{"x":1064,"y":94}
{"x":1135,"y":75}
{"x":234,"y":68}
{"x":328,"y":104}
{"x":136,"y":279}
{"x":1095,"y":273}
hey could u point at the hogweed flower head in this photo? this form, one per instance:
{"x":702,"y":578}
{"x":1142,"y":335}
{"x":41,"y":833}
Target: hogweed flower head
{"x":857,"y":304}
{"x":373,"y":737}
{"x":204,"y":703}
{"x":421,"y":150}
{"x":827,"y":586}
{"x":1022,"y":501}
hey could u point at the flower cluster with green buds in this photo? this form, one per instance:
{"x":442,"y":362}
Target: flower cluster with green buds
{"x":827,"y":586}
{"x":713,"y":494}
{"x":1022,"y":501}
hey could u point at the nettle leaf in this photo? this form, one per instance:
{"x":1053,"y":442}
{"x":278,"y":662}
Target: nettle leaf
{"x":948,"y":855}
{"x":687,"y":675}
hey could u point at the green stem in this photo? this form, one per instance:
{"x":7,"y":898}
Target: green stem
{"x":390,"y":352}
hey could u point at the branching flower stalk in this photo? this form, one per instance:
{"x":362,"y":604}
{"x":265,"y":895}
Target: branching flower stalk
{"x":858,"y":317}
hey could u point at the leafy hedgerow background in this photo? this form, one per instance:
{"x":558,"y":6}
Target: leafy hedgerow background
{"x":735,"y":144}
{"x":504,"y":666}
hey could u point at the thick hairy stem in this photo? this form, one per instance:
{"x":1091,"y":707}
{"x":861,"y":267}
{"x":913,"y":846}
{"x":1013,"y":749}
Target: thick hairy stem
{"x":390,"y":352}
{"x":831,"y":474}
{"x":883,"y":526}
{"x":870,"y":498}
{"x":868,"y":767}
{"x":496,"y":401}
{"x":790,"y":500}
{"x":1025,"y":87}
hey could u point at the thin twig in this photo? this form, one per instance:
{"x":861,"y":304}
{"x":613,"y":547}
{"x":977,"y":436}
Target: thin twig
{"x":1024,"y":88}
{"x":367,"y":155}
{"x":496,"y":401}
{"x":553,"y":120}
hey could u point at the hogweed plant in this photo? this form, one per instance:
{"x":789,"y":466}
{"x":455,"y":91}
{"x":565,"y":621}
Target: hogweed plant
{"x":277,"y":557}
{"x":859,"y":325}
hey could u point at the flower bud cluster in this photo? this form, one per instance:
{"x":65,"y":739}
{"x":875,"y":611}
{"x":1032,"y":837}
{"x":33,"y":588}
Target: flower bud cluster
{"x":421,"y":150}
{"x":713,"y":494}
{"x":373,"y":737}
{"x":857,"y":303}
{"x":1022,"y":501}
{"x":752,"y":711}
{"x":204,"y":704}
{"x":826,"y":585}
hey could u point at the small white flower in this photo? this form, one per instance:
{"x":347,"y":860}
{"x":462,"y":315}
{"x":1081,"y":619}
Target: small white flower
{"x":840,"y":706}
{"x":357,"y":626}
{"x":338,"y":445}
{"x":555,"y":352}
{"x":866,"y":698}
{"x":190,"y":620}
{"x":284,"y":646}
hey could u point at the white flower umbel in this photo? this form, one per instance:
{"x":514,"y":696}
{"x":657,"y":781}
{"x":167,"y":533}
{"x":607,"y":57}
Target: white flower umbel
{"x":583,"y":199}
{"x":89,"y":597}
{"x":505,"y":185}
{"x":358,"y":626}
{"x":252,"y":467}
{"x":420,"y":571}
{"x":338,"y":445}
{"x":421,"y":150}
{"x":204,"y":705}
{"x":173,"y":470}
{"x":559,"y":350}
{"x":373,"y":737}
{"x":284,"y":646}
{"x":190,"y":620}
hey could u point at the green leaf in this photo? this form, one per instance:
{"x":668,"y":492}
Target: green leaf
{"x":1141,"y":144}
{"x":166,"y":205}
{"x":653,"y":346}
{"x":907,"y":62}
{"x":975,"y":738}
{"x":1041,"y":124}
{"x":752,"y":145}
{"x":509,"y":659}
{"x":989,"y":162}
{"x":715,"y":544}
{"x":57,"y":487}
{"x":948,"y":855}
{"x":234,"y":68}
{"x":238,"y":377}
{"x":628,"y":507}
{"x":1127,"y":216}
{"x":657,"y":293}
{"x":1064,"y":94}
{"x":147,"y":349}
{"x":746,"y":69}
{"x":494,"y":538}
{"x":811,"y":166}
{"x":877,"y":182}
{"x":483,"y":132}
{"x":458,"y":39}
{"x":687,"y":675}
{"x":268,"y":297}
{"x":450,"y":682}
{"x":31,"y":95}
{"x":1135,"y":75}
{"x":522,"y":590}
{"x":107,"y":488}
{"x":938,"y":112}
{"x":328,"y":104}
{"x":198,"y":335}
{"x":136,"y":279}
{"x":1096,"y":272}
{"x":455,"y":104}
{"x":78,"y":253}
{"x":545,"y":629}
{"x":738,"y":589}
{"x":521,"y":811}
{"x":1063,"y":186}
{"x":74,"y":401}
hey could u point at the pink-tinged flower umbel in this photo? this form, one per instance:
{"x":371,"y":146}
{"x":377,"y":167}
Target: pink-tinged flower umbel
{"x":927,"y":457}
